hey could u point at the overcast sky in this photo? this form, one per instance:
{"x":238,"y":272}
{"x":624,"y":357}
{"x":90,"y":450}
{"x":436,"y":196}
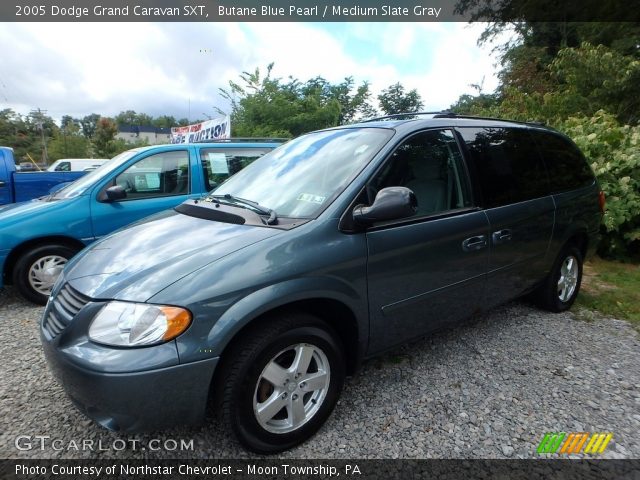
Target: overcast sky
{"x":177,"y":68}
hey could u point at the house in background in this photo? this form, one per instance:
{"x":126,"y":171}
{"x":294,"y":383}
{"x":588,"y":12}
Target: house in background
{"x":144,"y":133}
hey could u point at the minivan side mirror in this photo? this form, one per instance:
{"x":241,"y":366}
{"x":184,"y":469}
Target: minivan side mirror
{"x":391,"y":203}
{"x":116,"y":192}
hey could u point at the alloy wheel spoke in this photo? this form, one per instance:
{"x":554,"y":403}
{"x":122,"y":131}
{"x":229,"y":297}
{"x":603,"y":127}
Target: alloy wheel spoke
{"x":275,"y":374}
{"x":271,"y":406}
{"x":296,"y":411}
{"x":314,"y":381}
{"x":304,"y":354}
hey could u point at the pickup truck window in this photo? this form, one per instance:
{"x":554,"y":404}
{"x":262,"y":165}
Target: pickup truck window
{"x":63,"y":167}
{"x":219,"y":164}
{"x":162,"y":174}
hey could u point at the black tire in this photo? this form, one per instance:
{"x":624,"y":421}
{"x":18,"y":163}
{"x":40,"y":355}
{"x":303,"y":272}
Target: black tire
{"x":25,"y":265}
{"x":242,"y":383}
{"x":549,"y":295}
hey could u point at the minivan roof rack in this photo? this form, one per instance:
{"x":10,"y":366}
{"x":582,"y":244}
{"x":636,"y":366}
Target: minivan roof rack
{"x":403,"y":116}
{"x":246,"y":140}
{"x":449,"y":114}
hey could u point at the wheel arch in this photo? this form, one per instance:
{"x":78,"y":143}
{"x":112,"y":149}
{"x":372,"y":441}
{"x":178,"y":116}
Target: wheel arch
{"x":30,"y":244}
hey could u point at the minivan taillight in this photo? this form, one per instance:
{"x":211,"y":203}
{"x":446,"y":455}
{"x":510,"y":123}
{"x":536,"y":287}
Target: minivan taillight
{"x":601,"y":201}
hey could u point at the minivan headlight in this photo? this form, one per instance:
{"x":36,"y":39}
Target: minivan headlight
{"x":123,"y":324}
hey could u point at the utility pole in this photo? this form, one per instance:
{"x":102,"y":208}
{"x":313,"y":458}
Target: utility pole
{"x":38,"y":116}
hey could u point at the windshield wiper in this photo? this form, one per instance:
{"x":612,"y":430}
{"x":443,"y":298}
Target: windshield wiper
{"x":273,"y":217}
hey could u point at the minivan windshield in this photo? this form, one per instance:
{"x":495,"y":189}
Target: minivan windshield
{"x":300,"y":178}
{"x":79,"y":186}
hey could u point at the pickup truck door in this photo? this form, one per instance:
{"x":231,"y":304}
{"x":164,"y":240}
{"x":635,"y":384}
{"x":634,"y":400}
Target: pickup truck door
{"x":155,"y":182}
{"x":5,"y":180}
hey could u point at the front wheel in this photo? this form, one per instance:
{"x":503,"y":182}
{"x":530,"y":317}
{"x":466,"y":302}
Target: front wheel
{"x":561,"y":288}
{"x":281,"y":382}
{"x":37,"y":270}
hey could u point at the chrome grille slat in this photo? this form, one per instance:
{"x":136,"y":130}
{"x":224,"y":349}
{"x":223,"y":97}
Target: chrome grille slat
{"x":64,"y":306}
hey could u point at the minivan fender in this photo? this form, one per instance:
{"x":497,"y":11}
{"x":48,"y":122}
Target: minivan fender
{"x":294,"y":293}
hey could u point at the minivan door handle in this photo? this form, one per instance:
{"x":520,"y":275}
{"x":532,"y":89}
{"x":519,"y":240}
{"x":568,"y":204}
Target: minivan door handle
{"x":501,"y":236}
{"x":474,"y":243}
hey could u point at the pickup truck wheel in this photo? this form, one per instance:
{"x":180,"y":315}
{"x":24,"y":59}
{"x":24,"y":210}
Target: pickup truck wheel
{"x":282,"y":382}
{"x":37,"y":270}
{"x":561,"y":288}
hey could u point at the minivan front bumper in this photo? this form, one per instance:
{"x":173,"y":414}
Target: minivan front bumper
{"x":136,"y":401}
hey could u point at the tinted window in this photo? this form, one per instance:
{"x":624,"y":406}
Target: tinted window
{"x":162,"y":174}
{"x":567,"y":167}
{"x":218,"y":164}
{"x":429,"y":164}
{"x":507,"y":163}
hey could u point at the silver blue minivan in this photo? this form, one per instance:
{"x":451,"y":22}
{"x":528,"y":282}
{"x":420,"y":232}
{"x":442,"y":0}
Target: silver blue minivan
{"x":261,"y":296}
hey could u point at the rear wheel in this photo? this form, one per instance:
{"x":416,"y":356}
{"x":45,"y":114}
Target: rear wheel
{"x":281,"y":382}
{"x":561,"y":288}
{"x":37,"y":270}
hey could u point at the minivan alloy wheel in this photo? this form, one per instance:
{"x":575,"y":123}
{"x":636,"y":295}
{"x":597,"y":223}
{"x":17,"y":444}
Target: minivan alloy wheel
{"x":291,"y":388}
{"x":44,"y":272}
{"x":280,"y":382}
{"x":568,"y":278}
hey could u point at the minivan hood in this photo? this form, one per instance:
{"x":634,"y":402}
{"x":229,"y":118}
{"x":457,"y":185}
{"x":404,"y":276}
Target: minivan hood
{"x":136,"y":263}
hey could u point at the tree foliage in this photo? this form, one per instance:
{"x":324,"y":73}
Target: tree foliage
{"x":614,"y":152}
{"x":584,"y":79}
{"x":394,"y":100}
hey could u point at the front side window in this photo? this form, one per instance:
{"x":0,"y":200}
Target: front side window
{"x":218,"y":164}
{"x":508,"y":165}
{"x":300,"y":178}
{"x":159,"y":175}
{"x":429,"y":164}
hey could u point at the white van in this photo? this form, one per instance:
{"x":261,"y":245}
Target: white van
{"x":76,"y":164}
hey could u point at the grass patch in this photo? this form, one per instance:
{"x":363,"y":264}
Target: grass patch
{"x":612,"y":289}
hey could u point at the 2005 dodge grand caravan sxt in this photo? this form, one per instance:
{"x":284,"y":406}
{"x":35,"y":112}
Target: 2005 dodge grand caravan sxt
{"x":336,"y":246}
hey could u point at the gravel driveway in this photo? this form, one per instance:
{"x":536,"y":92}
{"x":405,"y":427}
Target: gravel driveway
{"x":489,"y":389}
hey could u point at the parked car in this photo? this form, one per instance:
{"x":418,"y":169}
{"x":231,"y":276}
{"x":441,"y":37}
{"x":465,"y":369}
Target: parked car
{"x":331,"y":249}
{"x":19,"y":184}
{"x":38,"y":237}
{"x":76,"y":164}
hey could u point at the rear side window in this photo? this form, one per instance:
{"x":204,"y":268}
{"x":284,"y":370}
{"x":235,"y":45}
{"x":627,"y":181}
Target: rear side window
{"x":218,"y":164}
{"x":568,"y":169}
{"x":507,"y":164}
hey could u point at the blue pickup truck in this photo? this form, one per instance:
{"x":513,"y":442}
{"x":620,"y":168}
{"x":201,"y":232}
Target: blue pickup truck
{"x":38,"y":237}
{"x":21,"y":186}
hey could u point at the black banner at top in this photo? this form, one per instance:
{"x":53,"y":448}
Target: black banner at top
{"x":319,"y":10}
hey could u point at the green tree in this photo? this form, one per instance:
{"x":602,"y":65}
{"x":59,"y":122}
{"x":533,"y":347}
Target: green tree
{"x":68,"y":142}
{"x":394,"y":100}
{"x":89,"y":123}
{"x":104,"y":136}
{"x":262,"y":106}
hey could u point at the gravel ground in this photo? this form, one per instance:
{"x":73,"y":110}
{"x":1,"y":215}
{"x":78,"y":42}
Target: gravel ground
{"x":489,"y":389}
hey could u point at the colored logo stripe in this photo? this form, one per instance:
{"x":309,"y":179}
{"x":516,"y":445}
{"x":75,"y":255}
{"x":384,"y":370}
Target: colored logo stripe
{"x":574,"y":442}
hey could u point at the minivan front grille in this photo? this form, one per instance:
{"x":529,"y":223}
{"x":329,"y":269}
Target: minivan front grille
{"x":64,"y":306}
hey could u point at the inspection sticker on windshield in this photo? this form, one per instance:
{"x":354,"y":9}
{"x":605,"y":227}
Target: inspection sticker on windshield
{"x":309,"y":197}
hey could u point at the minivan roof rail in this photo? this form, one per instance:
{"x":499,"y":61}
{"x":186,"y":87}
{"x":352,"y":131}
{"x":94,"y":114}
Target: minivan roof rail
{"x":246,"y":140}
{"x":401,"y":116}
{"x":448,"y":114}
